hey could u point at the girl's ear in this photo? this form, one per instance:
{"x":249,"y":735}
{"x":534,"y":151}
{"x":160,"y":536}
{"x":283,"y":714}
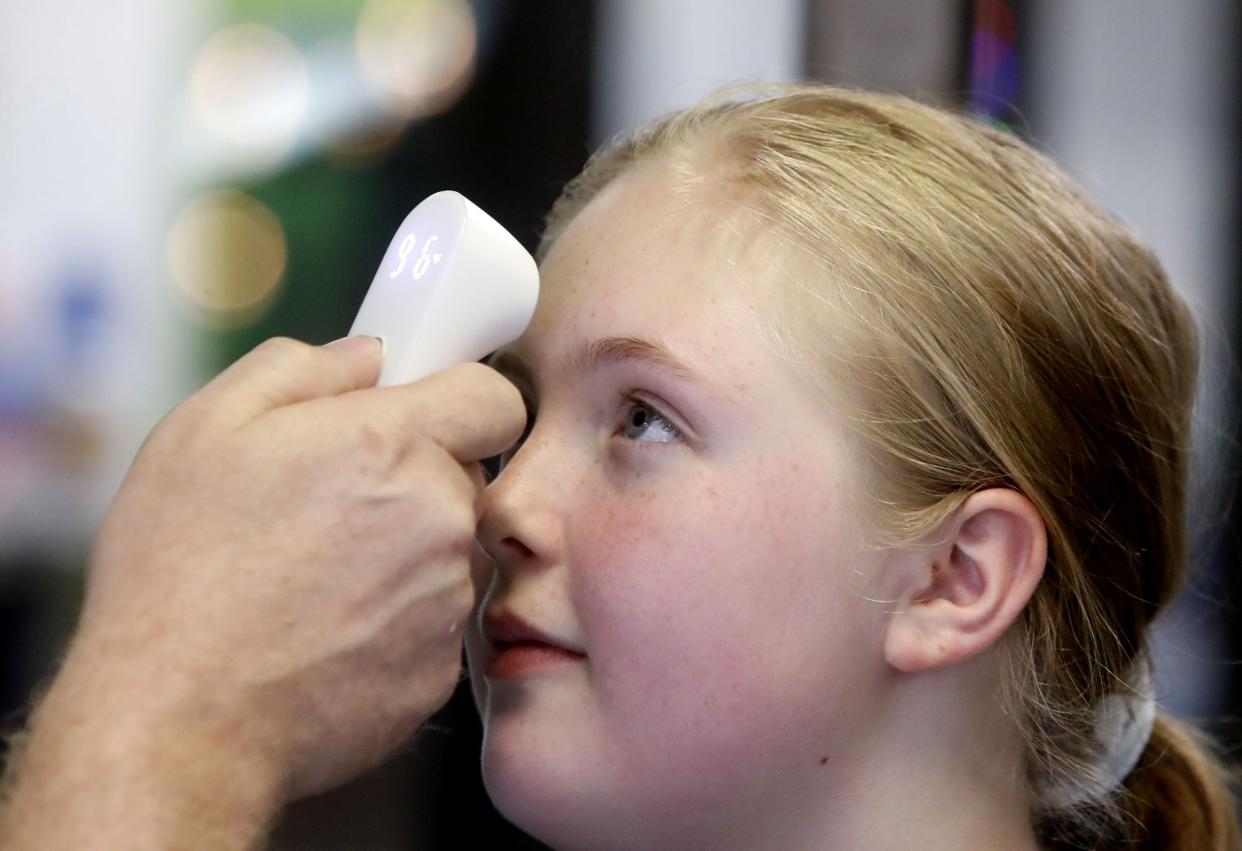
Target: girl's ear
{"x":965,"y":592}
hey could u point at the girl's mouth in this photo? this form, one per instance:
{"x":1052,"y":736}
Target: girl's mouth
{"x":526,"y":657}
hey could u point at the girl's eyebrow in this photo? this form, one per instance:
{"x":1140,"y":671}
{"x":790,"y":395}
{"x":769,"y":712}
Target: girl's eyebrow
{"x":590,"y":357}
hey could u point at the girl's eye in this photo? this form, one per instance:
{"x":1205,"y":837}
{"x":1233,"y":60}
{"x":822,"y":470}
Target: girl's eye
{"x":641,"y":419}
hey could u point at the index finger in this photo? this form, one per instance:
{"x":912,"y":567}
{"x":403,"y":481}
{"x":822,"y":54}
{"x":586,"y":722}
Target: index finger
{"x":470,"y":409}
{"x":281,"y":371}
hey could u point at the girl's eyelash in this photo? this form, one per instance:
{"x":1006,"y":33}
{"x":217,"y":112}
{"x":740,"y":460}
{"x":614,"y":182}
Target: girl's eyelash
{"x":624,"y":399}
{"x":491,"y":466}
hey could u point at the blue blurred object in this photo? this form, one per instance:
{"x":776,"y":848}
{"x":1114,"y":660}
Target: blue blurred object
{"x":994,"y":75}
{"x":81,"y":309}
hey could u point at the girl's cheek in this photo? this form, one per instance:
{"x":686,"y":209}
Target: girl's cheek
{"x":654,"y":565}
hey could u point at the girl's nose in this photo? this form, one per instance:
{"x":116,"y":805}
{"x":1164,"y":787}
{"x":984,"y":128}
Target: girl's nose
{"x":523,"y":510}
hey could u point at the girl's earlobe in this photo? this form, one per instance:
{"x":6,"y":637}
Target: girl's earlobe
{"x":973,"y":586}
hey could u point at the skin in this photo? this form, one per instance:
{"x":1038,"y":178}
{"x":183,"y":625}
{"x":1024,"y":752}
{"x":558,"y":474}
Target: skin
{"x":275,"y":601}
{"x":753,"y":673}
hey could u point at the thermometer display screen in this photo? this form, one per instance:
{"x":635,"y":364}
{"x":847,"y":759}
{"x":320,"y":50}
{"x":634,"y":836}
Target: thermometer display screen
{"x":414,"y":259}
{"x":424,"y":244}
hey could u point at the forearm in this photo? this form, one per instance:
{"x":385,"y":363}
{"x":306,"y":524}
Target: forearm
{"x":101,"y":769}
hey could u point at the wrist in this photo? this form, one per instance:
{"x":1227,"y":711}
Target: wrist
{"x":122,"y":759}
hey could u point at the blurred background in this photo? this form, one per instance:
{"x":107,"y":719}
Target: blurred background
{"x":179,"y":181}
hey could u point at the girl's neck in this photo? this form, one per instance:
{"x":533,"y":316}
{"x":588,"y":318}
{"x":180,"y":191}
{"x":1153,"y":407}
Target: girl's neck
{"x":943,"y":769}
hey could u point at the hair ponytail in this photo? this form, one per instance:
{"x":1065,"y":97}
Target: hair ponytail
{"x":1179,"y":795}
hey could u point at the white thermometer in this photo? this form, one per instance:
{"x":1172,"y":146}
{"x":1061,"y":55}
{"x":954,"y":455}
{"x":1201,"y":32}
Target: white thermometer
{"x":453,"y":286}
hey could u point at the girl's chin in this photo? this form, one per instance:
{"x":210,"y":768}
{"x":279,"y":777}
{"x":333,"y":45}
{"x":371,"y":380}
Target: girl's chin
{"x":568,"y":792}
{"x":550,"y":792}
{"x":532,"y":803}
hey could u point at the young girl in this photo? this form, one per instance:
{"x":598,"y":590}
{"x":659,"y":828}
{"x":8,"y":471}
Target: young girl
{"x":854,"y":480}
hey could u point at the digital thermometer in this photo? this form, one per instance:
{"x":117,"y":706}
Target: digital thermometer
{"x":453,"y":286}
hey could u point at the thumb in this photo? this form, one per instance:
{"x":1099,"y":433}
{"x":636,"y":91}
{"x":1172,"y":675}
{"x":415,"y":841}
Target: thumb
{"x":282,"y":371}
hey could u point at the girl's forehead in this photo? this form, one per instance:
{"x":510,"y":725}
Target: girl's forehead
{"x":697,"y":321}
{"x":641,"y":245}
{"x":696,"y":303}
{"x":691,"y":272}
{"x":602,"y":320}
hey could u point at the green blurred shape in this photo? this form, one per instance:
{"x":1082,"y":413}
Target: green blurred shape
{"x":296,"y":17}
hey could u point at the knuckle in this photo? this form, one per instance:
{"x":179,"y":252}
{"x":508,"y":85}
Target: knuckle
{"x":461,"y":600}
{"x":423,"y":452}
{"x":451,"y":542}
{"x":464,"y":485}
{"x":439,"y":472}
{"x":286,"y":350}
{"x":491,"y":384}
{"x":169,"y":428}
{"x":444,"y":659}
{"x":281,"y":345}
{"x":186,"y":430}
{"x":376,"y":453}
{"x":437,"y":682}
{"x":478,"y":480}
{"x":502,"y":386}
{"x":463,"y":526}
{"x":508,"y":388}
{"x":446,"y":682}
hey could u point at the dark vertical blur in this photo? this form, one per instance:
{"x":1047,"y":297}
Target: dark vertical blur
{"x":1229,"y":548}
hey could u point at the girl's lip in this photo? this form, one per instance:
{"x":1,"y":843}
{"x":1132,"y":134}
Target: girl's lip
{"x":504,"y":627}
{"x":519,"y":658}
{"x":519,"y":648}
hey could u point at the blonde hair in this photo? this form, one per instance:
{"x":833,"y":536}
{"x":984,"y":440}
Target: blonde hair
{"x":986,"y":325}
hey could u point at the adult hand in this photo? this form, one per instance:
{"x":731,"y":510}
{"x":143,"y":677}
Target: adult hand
{"x":281,"y":582}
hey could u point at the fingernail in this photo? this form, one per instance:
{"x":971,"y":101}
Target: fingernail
{"x":356,"y":343}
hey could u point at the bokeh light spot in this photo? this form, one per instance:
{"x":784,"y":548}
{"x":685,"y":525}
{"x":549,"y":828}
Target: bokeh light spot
{"x":227,"y":255}
{"x":417,"y":54}
{"x":250,"y":86}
